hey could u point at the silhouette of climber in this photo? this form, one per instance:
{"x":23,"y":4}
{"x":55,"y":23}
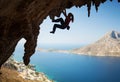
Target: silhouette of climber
{"x":64,"y":23}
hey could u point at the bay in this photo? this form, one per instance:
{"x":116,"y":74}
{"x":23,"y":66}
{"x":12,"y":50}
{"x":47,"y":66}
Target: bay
{"x":62,"y":67}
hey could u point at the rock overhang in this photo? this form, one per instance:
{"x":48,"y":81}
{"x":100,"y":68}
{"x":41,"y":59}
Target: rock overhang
{"x":21,"y":19}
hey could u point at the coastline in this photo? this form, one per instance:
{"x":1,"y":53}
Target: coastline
{"x":77,"y":53}
{"x":26,"y":72}
{"x":98,"y":55}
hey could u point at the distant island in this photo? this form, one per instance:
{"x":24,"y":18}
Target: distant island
{"x":54,"y":50}
{"x":108,"y":45}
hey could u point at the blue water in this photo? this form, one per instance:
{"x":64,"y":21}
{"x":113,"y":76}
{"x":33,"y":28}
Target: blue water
{"x":75,"y":68}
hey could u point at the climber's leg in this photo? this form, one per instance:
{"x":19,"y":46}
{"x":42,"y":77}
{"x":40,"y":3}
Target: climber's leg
{"x":56,"y":26}
{"x":68,"y":27}
{"x":59,"y":20}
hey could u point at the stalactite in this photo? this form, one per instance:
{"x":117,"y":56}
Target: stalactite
{"x":89,"y":7}
{"x":21,"y":18}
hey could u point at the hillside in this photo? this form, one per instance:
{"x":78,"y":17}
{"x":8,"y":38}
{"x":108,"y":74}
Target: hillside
{"x":9,"y":75}
{"x":108,"y":45}
{"x":13,"y":71}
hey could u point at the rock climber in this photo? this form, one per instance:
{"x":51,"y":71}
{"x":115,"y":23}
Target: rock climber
{"x":64,"y":23}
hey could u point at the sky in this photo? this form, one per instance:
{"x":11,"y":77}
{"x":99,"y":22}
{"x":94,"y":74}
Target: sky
{"x":84,"y":29}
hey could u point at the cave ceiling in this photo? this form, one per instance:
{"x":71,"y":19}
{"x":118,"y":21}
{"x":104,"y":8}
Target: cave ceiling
{"x":21,"y":19}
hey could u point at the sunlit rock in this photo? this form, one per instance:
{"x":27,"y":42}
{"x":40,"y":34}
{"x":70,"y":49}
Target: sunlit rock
{"x":21,"y":19}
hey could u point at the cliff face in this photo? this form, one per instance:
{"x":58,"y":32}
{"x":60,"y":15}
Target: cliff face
{"x":21,"y":19}
{"x":108,"y":45}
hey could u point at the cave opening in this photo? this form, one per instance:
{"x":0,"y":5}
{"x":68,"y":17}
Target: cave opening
{"x":88,"y":29}
{"x":25,"y":18}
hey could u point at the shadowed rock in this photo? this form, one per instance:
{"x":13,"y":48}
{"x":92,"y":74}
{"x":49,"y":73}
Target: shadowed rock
{"x":21,"y":19}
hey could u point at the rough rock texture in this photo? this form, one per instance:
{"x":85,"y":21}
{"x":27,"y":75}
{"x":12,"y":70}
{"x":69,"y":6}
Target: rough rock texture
{"x":108,"y":45}
{"x":13,"y":71}
{"x":21,"y":19}
{"x":10,"y":75}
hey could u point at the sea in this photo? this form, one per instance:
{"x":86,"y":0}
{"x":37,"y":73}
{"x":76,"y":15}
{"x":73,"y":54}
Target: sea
{"x":62,"y":67}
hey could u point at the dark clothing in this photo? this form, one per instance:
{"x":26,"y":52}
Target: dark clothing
{"x":67,"y":21}
{"x":63,"y":25}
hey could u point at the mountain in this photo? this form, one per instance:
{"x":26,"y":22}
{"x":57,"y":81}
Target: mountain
{"x":108,"y":45}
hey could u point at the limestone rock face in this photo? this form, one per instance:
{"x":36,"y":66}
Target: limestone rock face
{"x":21,"y":19}
{"x":108,"y":45}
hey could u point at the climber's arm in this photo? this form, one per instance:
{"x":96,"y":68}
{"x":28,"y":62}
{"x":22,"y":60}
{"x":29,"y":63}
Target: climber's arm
{"x":64,"y":13}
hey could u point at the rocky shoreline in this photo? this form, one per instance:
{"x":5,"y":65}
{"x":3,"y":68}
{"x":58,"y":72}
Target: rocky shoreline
{"x":108,"y":45}
{"x":76,"y":53}
{"x":54,"y":50}
{"x":26,"y":72}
